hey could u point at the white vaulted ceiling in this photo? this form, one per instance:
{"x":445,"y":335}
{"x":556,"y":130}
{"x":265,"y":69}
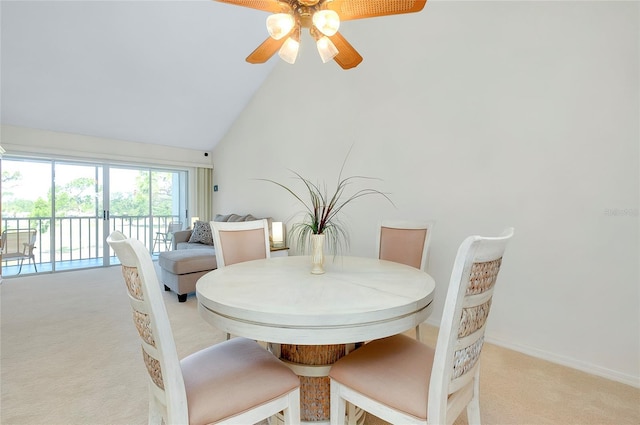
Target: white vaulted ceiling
{"x":162,"y":72}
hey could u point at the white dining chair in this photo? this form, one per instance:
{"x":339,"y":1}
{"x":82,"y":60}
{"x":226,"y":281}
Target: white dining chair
{"x":405,"y":242}
{"x":240,"y":241}
{"x":403,"y":381}
{"x":233,"y":382}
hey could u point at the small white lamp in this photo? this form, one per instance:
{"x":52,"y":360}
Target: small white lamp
{"x":277,"y":229}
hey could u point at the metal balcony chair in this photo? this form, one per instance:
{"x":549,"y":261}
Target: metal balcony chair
{"x":167,"y":236}
{"x":403,"y":381}
{"x":19,"y":245}
{"x":233,"y":382}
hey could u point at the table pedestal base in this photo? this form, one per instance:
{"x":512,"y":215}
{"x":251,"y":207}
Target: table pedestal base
{"x":312,"y":364}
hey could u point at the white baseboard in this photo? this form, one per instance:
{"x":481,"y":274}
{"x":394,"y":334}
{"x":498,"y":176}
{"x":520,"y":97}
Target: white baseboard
{"x":592,"y":369}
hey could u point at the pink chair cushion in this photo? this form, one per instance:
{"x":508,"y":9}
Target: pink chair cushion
{"x":251,"y":376}
{"x":403,"y":246}
{"x":242,"y":245}
{"x":394,"y":370}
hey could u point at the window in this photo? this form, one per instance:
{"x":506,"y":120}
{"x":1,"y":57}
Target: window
{"x":75,"y":205}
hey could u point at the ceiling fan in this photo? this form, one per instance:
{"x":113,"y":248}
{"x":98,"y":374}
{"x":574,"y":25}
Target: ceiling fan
{"x":323,"y":18}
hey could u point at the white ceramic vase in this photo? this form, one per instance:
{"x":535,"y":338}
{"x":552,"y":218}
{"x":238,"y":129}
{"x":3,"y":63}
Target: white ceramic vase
{"x":317,"y":254}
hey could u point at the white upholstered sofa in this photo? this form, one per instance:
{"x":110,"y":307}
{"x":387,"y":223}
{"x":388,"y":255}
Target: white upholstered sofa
{"x":200,"y":236}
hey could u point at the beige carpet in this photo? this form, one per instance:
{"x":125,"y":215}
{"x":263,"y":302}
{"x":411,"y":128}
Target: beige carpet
{"x":69,"y":355}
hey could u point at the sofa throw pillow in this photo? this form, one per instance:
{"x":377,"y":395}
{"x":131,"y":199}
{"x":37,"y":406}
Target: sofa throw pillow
{"x":201,"y":233}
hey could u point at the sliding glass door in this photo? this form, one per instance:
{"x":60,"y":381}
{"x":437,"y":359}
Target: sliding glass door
{"x":75,"y":206}
{"x":77,"y":234}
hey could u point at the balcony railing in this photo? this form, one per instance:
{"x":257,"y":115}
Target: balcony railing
{"x":78,"y":242}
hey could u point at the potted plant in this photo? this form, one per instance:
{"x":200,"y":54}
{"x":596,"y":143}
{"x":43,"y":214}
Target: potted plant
{"x":322,"y":209}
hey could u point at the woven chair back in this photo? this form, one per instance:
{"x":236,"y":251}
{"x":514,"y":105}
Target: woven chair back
{"x":462,"y":329}
{"x":150,"y":318}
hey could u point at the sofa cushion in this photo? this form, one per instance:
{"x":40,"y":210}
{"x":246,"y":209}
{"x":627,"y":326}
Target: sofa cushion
{"x":248,"y":217}
{"x":194,"y":245}
{"x":201,"y":233}
{"x":188,"y":261}
{"x":234,"y":217}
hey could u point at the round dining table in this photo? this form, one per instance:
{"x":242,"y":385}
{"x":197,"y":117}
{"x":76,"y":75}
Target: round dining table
{"x":310,"y":320}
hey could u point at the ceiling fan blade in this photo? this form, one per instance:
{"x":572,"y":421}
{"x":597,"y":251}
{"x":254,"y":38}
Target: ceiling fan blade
{"x":273,"y":6}
{"x":264,"y":51}
{"x":347,"y":56}
{"x":359,"y":9}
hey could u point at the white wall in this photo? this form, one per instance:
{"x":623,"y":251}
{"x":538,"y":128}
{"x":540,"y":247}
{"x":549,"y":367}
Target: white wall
{"x":480,"y":115}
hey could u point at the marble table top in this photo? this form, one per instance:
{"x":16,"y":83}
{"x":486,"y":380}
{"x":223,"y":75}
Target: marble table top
{"x":279,"y":300}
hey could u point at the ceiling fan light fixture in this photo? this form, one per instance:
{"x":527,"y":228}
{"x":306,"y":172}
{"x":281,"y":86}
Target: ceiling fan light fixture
{"x":279,"y":25}
{"x":322,"y":19}
{"x":289,"y":50}
{"x":326,"y":49}
{"x":327,"y":21}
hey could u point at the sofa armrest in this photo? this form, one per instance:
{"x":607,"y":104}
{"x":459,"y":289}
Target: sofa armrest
{"x":180,"y":236}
